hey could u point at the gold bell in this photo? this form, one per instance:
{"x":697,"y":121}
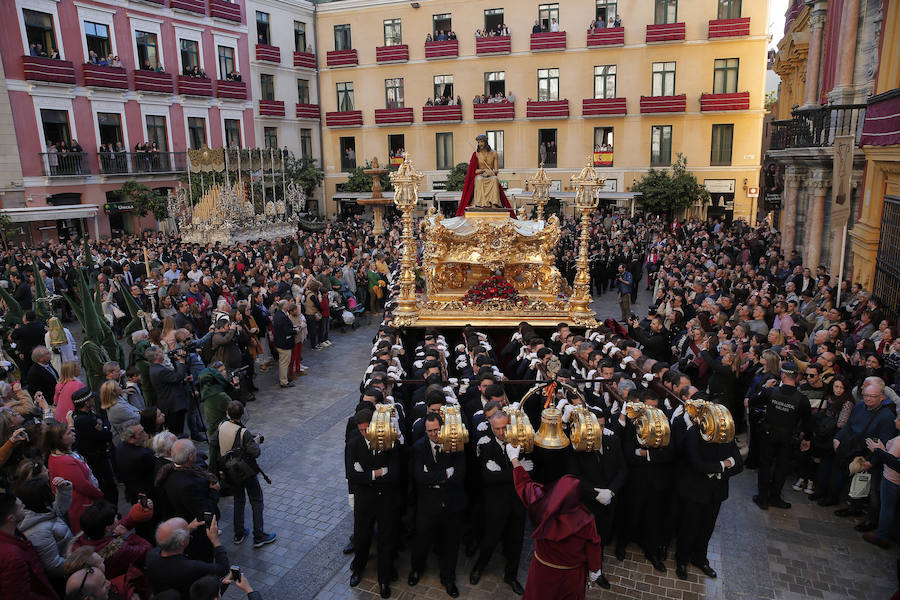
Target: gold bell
{"x":550,"y":435}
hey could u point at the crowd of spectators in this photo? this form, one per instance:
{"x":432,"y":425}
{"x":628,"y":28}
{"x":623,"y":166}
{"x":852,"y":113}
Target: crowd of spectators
{"x":494,"y":98}
{"x":444,"y":101}
{"x":82,"y":444}
{"x":108,"y":61}
{"x":500,"y":30}
{"x":599,"y":24}
{"x":440,"y":36}
{"x":196,"y":72}
{"x":37,"y":49}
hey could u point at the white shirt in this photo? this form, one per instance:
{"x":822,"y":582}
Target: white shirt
{"x":195,"y":275}
{"x":554,"y":26}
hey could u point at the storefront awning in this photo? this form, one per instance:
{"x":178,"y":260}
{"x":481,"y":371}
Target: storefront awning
{"x":50,"y":213}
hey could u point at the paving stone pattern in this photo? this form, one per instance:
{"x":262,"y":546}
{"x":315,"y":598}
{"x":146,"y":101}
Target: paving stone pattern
{"x":802,"y":553}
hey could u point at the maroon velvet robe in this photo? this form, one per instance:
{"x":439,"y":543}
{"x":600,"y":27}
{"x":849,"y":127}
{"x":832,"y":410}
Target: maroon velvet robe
{"x":564,"y":535}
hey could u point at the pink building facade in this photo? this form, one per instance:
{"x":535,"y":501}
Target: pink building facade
{"x":106,"y":91}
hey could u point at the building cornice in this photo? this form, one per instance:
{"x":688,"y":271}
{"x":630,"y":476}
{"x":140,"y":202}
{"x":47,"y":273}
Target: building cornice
{"x":348,"y":5}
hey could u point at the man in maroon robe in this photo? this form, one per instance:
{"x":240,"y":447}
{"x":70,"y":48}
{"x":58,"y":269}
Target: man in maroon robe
{"x":567,"y":551}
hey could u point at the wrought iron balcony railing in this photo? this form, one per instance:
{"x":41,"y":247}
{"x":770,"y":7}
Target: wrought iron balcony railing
{"x":136,"y":163}
{"x":817,"y":127}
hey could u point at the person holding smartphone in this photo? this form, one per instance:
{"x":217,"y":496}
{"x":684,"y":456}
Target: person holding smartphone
{"x":210,"y":587}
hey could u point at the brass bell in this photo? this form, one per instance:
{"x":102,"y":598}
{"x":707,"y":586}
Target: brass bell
{"x":453,"y":435}
{"x":651,"y":427}
{"x":585,"y":430}
{"x":519,"y":431}
{"x":715,"y":420}
{"x":381,"y":432}
{"x":550,"y":435}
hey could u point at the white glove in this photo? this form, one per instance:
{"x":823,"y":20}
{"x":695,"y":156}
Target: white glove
{"x":648,"y":377}
{"x":607,"y":346}
{"x":570,"y":350}
{"x":483,"y":426}
{"x":527,"y":464}
{"x":512,"y":451}
{"x":460,"y":348}
{"x":514,"y":406}
{"x":604,"y":496}
{"x":384,"y":472}
{"x":453,"y":381}
{"x":350,"y":501}
{"x":627,"y":359}
{"x":483,"y":440}
{"x":594,"y":575}
{"x":517,"y":336}
{"x":567,"y":413}
{"x":357,"y":467}
{"x":451,"y":399}
{"x":492,"y":466}
{"x":561,"y":404}
{"x":554,"y":337}
{"x":398,"y":348}
{"x":449,"y":472}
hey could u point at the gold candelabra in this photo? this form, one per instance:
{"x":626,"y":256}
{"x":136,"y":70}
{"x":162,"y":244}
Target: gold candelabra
{"x":586,"y":185}
{"x":406,"y":195}
{"x":540,"y":190}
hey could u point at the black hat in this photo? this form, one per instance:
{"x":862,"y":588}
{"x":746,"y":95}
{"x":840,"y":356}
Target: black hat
{"x":82,"y":395}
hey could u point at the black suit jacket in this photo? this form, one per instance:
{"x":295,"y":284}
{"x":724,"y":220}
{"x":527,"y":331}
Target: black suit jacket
{"x":701,"y":459}
{"x":284,"y":331}
{"x":136,"y":466}
{"x":27,"y":337}
{"x":179,"y":572}
{"x":653,"y":475}
{"x":605,"y":471}
{"x":168,"y":384}
{"x":435,"y":489}
{"x":362,"y":484}
{"x":43,"y":379}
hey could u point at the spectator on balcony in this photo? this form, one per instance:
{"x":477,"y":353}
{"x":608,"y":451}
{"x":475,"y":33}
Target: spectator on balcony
{"x":428,"y":38}
{"x":451,"y":35}
{"x":116,"y":62}
{"x":309,"y":49}
{"x":554,"y":26}
{"x":441,"y":36}
{"x":33,"y":51}
{"x":92,"y":57}
{"x":429,"y":102}
{"x":504,"y":30}
{"x":233,"y":76}
{"x":459,"y":101}
{"x":510,"y":97}
{"x":78,"y":151}
{"x":52,"y":158}
{"x":478,"y":33}
{"x":618,"y":21}
{"x":537,"y":26}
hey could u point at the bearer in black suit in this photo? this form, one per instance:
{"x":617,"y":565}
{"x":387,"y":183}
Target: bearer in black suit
{"x":376,"y":485}
{"x":42,"y":377}
{"x":504,"y":513}
{"x":702,"y":487}
{"x":602,"y":474}
{"x":440,"y":478}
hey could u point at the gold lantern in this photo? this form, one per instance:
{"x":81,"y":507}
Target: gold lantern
{"x":650,"y":424}
{"x":585,"y":431}
{"x":519,"y":431}
{"x":453,"y":435}
{"x":715,"y":420}
{"x":540,"y":190}
{"x":550,"y":436}
{"x":381,"y":432}
{"x":587,"y":184}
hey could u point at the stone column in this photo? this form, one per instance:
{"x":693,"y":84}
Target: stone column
{"x":789,"y":210}
{"x":847,"y":48}
{"x":813,"y":58}
{"x":815,"y":220}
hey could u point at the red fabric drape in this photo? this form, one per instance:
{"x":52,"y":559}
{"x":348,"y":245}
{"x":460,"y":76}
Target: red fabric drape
{"x":469,"y":190}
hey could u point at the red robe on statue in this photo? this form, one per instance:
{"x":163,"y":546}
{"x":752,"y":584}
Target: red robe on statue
{"x":469,"y":190}
{"x":566,"y":544}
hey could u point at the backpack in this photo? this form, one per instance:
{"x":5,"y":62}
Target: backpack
{"x":236,"y":469}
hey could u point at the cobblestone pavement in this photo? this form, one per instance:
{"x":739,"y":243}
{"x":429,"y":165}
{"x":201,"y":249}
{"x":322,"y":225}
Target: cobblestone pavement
{"x":802,"y":553}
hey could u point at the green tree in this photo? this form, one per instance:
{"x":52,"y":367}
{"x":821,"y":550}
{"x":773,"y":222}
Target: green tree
{"x":457,"y":178}
{"x":144,"y":199}
{"x":665,"y":191}
{"x":305,"y":173}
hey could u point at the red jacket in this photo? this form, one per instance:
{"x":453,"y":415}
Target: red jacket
{"x":84,"y":493}
{"x":21,"y":574}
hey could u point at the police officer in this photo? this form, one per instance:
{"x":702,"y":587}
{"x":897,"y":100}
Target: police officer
{"x":786,"y":409}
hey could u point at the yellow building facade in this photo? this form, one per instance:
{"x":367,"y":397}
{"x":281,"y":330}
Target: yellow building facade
{"x":678,"y":73}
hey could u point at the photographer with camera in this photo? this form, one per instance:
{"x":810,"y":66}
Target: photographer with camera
{"x":168,"y":385}
{"x":217,"y":390}
{"x":233,"y":453}
{"x":624,"y":285}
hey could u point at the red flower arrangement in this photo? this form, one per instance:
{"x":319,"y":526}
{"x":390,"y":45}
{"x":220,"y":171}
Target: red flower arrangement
{"x":492,"y":288}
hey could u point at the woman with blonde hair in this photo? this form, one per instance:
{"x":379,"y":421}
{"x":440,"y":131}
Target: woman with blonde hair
{"x":66,"y":385}
{"x":119,"y":411}
{"x":168,"y":333}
